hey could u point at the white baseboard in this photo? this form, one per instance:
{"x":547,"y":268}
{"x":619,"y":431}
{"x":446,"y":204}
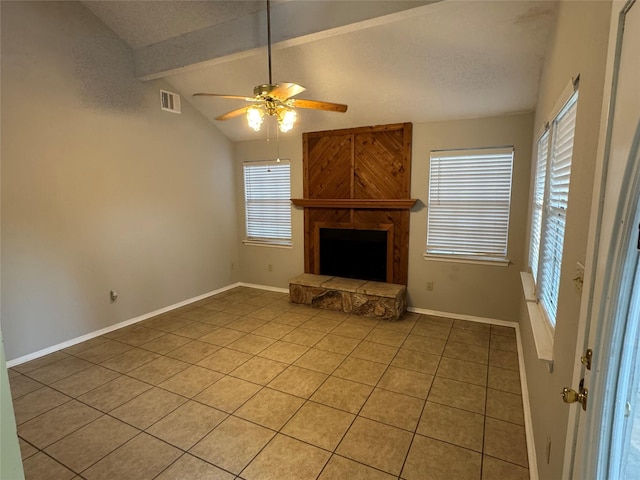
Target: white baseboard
{"x":263,"y":287}
{"x":526,"y":406}
{"x":111,"y":328}
{"x":460,"y":316}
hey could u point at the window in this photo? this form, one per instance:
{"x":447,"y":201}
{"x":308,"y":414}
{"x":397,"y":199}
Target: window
{"x":267,"y":196}
{"x":469,"y":201}
{"x":550,"y":199}
{"x":538,"y":202}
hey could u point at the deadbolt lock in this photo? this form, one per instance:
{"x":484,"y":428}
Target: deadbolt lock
{"x":569,"y":395}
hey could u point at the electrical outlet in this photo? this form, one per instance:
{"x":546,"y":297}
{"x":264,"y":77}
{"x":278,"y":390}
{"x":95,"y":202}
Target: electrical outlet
{"x":113,"y":296}
{"x":429,"y":286}
{"x":233,"y":265}
{"x":270,"y":268}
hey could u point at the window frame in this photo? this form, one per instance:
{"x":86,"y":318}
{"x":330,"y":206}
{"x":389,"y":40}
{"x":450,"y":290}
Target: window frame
{"x":468,"y":253}
{"x":546,"y":280}
{"x":541,"y":326}
{"x":280,"y":202}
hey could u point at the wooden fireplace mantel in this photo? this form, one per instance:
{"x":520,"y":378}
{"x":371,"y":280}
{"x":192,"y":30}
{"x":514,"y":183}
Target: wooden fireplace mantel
{"x":356,"y":203}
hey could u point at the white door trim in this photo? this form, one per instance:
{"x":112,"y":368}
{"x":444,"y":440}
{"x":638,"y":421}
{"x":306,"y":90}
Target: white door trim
{"x":595,"y":278}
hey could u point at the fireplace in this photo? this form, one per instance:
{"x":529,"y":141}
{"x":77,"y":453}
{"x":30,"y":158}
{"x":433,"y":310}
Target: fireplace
{"x":354,"y":253}
{"x":357,"y":180}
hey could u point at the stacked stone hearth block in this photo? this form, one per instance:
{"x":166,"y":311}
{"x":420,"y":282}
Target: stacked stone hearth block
{"x":385,"y":301}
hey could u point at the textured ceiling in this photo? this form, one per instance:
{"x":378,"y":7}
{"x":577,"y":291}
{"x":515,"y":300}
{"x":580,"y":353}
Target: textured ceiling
{"x":429,"y":62}
{"x":142,"y":23}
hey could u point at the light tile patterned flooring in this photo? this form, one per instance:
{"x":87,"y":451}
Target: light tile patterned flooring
{"x":246,"y":385}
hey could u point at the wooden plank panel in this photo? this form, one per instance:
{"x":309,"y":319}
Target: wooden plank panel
{"x":354,"y":131}
{"x":401,"y":249}
{"x":328,"y":170}
{"x":380,"y":169}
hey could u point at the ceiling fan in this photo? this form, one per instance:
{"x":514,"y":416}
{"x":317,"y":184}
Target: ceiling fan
{"x":274,"y":99}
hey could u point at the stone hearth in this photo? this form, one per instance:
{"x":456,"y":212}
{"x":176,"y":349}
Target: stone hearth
{"x":386,"y":301}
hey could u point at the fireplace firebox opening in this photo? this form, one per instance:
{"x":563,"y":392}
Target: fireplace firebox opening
{"x":354,"y":253}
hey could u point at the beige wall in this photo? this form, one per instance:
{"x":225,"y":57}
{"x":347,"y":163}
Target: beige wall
{"x":579,"y":46}
{"x":255,"y":260}
{"x":480,"y":290}
{"x":100,"y":188}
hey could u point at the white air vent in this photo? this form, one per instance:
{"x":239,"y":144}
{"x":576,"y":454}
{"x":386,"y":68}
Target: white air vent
{"x":169,"y":101}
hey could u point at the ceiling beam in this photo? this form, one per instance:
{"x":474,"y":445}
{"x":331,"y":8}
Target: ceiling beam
{"x":292,"y":23}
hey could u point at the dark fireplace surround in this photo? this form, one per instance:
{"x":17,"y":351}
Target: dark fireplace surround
{"x":357,"y":189}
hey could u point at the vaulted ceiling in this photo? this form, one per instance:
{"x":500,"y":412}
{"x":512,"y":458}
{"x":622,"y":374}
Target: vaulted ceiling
{"x":390,"y":61}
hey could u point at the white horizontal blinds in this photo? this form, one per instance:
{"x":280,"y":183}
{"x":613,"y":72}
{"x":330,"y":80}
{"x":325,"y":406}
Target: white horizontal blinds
{"x":267,"y":188}
{"x":554,"y":223}
{"x":562,"y":151}
{"x":549,"y":282}
{"x":538,"y":203}
{"x":469,"y":200}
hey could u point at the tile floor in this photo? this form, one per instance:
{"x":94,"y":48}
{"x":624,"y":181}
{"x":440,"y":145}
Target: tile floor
{"x":246,"y":385}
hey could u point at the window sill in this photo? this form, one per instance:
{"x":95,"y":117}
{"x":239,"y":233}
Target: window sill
{"x":253,"y":243}
{"x":542,"y":331}
{"x":498,"y":262}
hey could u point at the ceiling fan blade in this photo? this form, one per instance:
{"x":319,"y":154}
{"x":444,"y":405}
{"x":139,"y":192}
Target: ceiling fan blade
{"x":286,"y":90}
{"x":316,"y":105}
{"x":233,"y":113}
{"x":237,"y":97}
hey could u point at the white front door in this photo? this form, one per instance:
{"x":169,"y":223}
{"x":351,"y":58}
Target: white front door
{"x":602,"y":440}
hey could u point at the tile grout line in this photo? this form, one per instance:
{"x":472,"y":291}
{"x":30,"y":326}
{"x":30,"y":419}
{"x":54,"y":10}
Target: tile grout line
{"x":307,"y":400}
{"x":424,"y":406}
{"x":357,"y":414}
{"x":484,"y":419}
{"x":279,"y":431}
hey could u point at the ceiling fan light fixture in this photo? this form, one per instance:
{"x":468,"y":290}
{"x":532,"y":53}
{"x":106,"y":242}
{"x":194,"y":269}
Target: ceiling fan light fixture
{"x":286,"y":119}
{"x":255,"y":117}
{"x":274,"y":99}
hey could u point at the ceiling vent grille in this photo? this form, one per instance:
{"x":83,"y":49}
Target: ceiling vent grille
{"x":170,"y":101}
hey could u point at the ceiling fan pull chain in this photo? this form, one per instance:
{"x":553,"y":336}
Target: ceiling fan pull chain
{"x":277,"y":145}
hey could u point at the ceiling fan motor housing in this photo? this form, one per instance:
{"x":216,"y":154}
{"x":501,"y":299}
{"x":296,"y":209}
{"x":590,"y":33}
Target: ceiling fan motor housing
{"x":264,"y":89}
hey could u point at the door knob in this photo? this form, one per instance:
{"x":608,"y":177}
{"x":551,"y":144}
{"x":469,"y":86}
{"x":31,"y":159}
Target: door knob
{"x":569,"y":395}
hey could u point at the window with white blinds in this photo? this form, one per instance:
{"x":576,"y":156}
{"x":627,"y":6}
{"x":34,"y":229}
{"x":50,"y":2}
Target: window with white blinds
{"x":538,"y":203}
{"x":546,"y":250}
{"x":267,"y":195}
{"x":469,"y":202}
